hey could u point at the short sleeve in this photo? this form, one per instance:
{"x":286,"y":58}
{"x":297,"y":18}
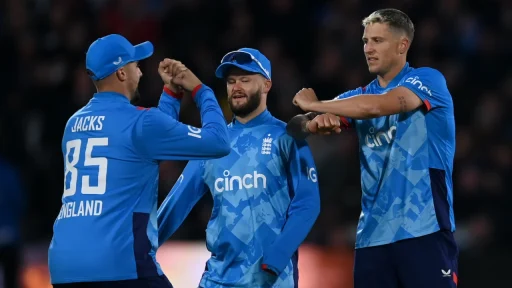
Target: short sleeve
{"x":430,"y":86}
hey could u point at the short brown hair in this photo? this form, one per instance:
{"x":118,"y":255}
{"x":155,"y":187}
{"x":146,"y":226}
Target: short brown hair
{"x":394,"y":18}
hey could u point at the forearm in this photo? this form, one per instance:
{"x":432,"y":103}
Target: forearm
{"x":356,"y":107}
{"x":214,"y":128}
{"x":297,"y":126}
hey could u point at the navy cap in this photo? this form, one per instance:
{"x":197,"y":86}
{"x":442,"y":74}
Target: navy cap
{"x":109,"y":53}
{"x":247,"y":59}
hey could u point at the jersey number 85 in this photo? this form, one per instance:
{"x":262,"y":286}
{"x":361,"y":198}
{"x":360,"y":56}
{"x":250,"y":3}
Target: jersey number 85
{"x":101,"y":162}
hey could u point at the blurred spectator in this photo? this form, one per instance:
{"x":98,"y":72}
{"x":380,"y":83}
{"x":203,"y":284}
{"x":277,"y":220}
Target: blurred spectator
{"x":11,"y":211}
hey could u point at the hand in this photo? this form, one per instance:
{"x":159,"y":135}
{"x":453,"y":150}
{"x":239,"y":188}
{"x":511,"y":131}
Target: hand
{"x":304,"y":98}
{"x":168,"y":69}
{"x":324,"y":124}
{"x":183,"y":77}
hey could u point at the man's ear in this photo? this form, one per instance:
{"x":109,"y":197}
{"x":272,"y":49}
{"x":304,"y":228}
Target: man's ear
{"x":267,"y":85}
{"x":121,"y":74}
{"x":404,"y":45}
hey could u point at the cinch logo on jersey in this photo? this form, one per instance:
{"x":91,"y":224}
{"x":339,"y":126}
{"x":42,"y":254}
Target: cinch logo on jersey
{"x":416,"y":82}
{"x":247,"y":181}
{"x":380,"y":138}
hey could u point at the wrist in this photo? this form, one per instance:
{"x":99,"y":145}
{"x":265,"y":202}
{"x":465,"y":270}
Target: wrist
{"x":196,"y":89}
{"x":314,"y":106}
{"x":171,"y":91}
{"x":305,"y":127}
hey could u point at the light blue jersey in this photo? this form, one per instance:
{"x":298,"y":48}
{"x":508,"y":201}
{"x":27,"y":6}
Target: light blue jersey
{"x":266,"y":200}
{"x":407,"y":162}
{"x":107,"y":228}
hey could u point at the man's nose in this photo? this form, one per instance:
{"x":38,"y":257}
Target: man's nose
{"x":237,"y":86}
{"x":368,"y":49}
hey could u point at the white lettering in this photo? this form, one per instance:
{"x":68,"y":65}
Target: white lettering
{"x":382,"y":137}
{"x":233,"y":183}
{"x":88,"y":123}
{"x":194,"y":132}
{"x":81,"y":209}
{"x":312,"y":175}
{"x":415,"y":81}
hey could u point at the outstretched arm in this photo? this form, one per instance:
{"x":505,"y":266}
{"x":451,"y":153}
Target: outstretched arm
{"x":366,"y":106}
{"x":302,"y":125}
{"x":423,"y":87}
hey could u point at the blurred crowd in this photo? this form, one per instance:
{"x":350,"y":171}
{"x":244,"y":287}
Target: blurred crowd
{"x":311,"y":43}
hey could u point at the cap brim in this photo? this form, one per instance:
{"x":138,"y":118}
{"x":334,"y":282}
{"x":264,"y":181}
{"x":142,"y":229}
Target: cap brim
{"x":143,"y":50}
{"x":224,"y":67}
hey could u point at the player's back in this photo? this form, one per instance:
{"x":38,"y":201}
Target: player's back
{"x":106,"y":229}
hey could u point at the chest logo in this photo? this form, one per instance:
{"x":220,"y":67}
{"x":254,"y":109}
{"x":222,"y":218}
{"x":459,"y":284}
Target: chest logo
{"x":266,"y":145}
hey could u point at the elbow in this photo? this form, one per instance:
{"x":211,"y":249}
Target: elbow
{"x":219,"y":151}
{"x":216,"y":143}
{"x":222,"y":147}
{"x":313,"y":208}
{"x":315,"y":211}
{"x":295,"y":127}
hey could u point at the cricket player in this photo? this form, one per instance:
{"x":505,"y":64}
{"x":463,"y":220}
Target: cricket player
{"x":265,"y":192}
{"x":106,"y":232}
{"x":405,"y":123}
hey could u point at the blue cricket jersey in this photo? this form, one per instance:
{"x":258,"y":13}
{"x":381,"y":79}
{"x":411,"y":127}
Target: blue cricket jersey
{"x":107,"y":227}
{"x":407,"y":162}
{"x":265,"y":201}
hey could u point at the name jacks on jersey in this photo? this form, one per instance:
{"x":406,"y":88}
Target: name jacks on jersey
{"x":80,"y":209}
{"x":247,"y":181}
{"x":88,"y":123}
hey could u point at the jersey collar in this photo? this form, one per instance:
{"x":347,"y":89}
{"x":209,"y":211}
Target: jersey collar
{"x":109,"y":96}
{"x":397,"y":78}
{"x":261,"y":119}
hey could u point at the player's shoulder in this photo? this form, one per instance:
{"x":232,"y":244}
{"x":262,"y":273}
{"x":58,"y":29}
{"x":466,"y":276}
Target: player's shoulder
{"x":85,"y":110}
{"x":356,"y":91}
{"x":148,"y":115}
{"x":276,"y":127}
{"x":425,"y":72}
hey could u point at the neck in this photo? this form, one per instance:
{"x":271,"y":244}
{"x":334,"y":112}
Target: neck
{"x":387,"y":77}
{"x":113,"y":88}
{"x":252,"y":115}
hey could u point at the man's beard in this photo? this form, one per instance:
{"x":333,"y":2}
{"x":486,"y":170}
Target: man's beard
{"x":253,"y":101}
{"x":135,"y":97}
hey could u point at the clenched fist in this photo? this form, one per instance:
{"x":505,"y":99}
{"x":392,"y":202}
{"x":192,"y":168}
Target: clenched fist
{"x":324,"y":124}
{"x":175,"y":75}
{"x":304,"y":98}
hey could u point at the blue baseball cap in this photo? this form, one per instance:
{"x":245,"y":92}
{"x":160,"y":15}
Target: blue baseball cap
{"x":247,"y":59}
{"x":109,"y":53}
